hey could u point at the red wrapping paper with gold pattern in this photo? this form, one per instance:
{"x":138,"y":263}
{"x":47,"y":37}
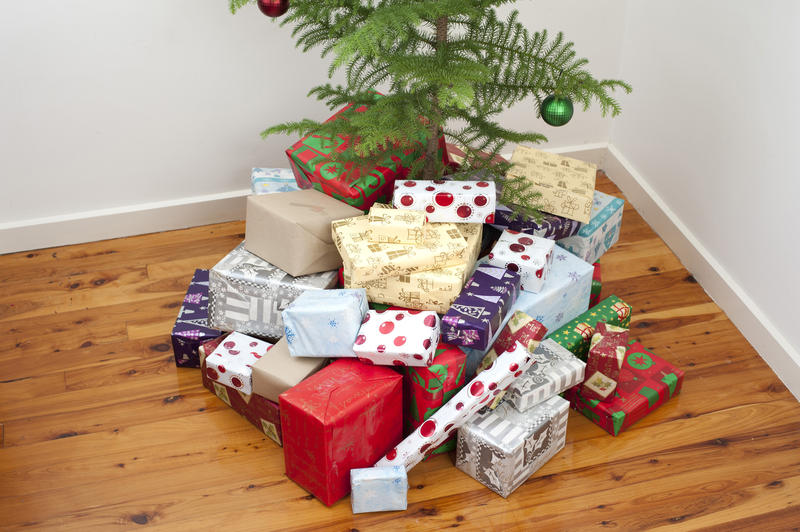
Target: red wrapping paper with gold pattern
{"x":426,"y":389}
{"x":345,"y":416}
{"x":604,"y":363}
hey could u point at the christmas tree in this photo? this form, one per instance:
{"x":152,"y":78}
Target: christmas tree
{"x":443,"y":66}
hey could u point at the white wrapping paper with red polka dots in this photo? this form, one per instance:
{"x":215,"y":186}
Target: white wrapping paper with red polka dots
{"x":448,"y":201}
{"x":459,"y":409}
{"x":530,"y":256}
{"x":231,"y":362}
{"x":398,"y":338}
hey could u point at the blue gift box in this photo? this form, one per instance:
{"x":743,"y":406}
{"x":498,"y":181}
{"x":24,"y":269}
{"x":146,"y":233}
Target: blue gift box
{"x":378,"y":489}
{"x":602,"y":231}
{"x":272,"y":180}
{"x":324,"y":323}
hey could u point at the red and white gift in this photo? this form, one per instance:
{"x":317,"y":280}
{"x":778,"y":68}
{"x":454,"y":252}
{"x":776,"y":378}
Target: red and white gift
{"x":231,"y":362}
{"x":604,"y":363}
{"x":398,"y":337}
{"x":459,"y":409}
{"x":448,"y":201}
{"x":530,"y":256}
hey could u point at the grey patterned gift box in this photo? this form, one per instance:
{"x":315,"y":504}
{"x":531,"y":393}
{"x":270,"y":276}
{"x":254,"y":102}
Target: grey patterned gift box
{"x":248,"y":294}
{"x":555,"y":370}
{"x":502,"y":448}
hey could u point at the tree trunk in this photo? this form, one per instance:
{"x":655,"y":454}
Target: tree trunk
{"x":429,"y":171}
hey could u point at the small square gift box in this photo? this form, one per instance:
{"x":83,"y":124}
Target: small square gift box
{"x":551,"y":226}
{"x":479,"y":309}
{"x":604,"y":363}
{"x":324,"y":323}
{"x":645,"y":383}
{"x":458,"y":410}
{"x":596,"y":237}
{"x":398,"y":338}
{"x":272,"y":180}
{"x":502,"y":448}
{"x":345,"y":416}
{"x":597,"y":285}
{"x":378,"y":489}
{"x":393,"y":226}
{"x":448,"y":201}
{"x":530,"y":256}
{"x":191,"y":327}
{"x":231,"y":362}
{"x":248,"y":294}
{"x":576,"y":335}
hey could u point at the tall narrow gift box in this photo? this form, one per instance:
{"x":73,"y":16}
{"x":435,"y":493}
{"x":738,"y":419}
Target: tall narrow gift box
{"x":291,"y":230}
{"x":605,"y":360}
{"x":596,"y":237}
{"x":480,"y":308}
{"x":577,"y":334}
{"x":343,"y":417}
{"x":448,"y":201}
{"x":646,"y":382}
{"x":530,"y":256}
{"x":310,"y":159}
{"x":597,"y":285}
{"x":502,"y":448}
{"x":426,"y":389}
{"x":551,"y":226}
{"x":248,"y":294}
{"x":272,"y":180}
{"x":279,"y":371}
{"x":191,"y":328}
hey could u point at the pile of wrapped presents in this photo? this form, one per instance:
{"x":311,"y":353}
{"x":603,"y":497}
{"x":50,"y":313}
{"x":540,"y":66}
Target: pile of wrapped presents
{"x":368,"y":322}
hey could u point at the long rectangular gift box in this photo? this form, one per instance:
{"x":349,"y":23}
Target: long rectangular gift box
{"x":272,"y":180}
{"x":577,"y":334}
{"x":248,"y":294}
{"x":646,"y":382}
{"x":191,"y":327}
{"x":596,"y":237}
{"x":448,"y":200}
{"x":393,"y":226}
{"x":550,"y":226}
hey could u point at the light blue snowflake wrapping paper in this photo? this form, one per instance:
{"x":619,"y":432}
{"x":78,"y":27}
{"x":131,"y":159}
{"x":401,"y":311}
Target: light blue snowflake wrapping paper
{"x":564,"y":296}
{"x":378,"y":489}
{"x":602,"y":231}
{"x":272,"y":180}
{"x":324,"y":323}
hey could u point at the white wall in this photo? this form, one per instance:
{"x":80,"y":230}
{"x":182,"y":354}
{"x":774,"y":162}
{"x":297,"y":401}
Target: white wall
{"x":713,"y":128}
{"x":110,"y":104}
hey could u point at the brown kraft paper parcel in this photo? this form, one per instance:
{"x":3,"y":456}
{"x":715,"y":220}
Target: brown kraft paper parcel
{"x":292,"y":230}
{"x":277,"y":370}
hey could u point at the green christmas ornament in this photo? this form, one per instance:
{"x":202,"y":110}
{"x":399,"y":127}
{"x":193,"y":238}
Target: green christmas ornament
{"x":556,"y":110}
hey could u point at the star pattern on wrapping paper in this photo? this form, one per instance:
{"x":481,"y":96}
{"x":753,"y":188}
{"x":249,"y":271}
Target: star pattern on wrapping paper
{"x":561,"y":257}
{"x":332,"y":324}
{"x":573,"y":276}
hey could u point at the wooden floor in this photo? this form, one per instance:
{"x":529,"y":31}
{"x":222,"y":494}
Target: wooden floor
{"x":102,"y":431}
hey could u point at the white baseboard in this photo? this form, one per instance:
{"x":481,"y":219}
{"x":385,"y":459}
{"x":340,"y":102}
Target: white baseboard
{"x":102,"y":224}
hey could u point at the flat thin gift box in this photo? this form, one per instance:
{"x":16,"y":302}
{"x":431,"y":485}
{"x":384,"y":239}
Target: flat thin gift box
{"x":191,"y":326}
{"x":278,"y":371}
{"x":248,"y":294}
{"x":291,"y":230}
{"x":272,"y":180}
{"x":596,"y":237}
{"x":398,"y":337}
{"x":324,"y":323}
{"x":502,"y":448}
{"x":378,"y":489}
{"x":551,"y":226}
{"x":345,"y":416}
{"x":448,"y":200}
{"x":530,"y":256}
{"x":577,"y":334}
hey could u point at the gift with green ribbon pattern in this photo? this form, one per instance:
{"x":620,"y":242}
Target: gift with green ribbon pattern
{"x":577,"y":334}
{"x":597,"y":286}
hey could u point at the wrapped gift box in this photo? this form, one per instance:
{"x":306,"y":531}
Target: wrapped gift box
{"x":502,"y":448}
{"x":231,"y":362}
{"x":473,"y":234}
{"x":398,"y":338}
{"x":324,"y":323}
{"x":458,"y":410}
{"x":577,"y":334}
{"x":345,"y":416}
{"x":248,"y":294}
{"x":291,"y":230}
{"x":566,"y":185}
{"x":426,"y":389}
{"x":646,"y":382}
{"x":604,"y":362}
{"x":554,"y":370}
{"x":378,"y":489}
{"x":530,"y":256}
{"x":392,"y":226}
{"x":597,"y":286}
{"x":363,"y":260}
{"x":310,"y":159}
{"x":551,"y":226}
{"x":191,"y":327}
{"x":457,"y":154}
{"x":259,"y":411}
{"x":479,"y":310}
{"x":448,"y":201}
{"x":596,"y":237}
{"x":272,"y":180}
{"x":279,"y":371}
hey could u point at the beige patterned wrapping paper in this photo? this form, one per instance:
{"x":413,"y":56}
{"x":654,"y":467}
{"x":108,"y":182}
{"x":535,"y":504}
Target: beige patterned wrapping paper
{"x":393,"y":226}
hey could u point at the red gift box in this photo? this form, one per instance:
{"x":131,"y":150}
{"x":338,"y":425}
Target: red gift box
{"x":346,"y":416}
{"x":520,"y":328}
{"x":604,"y":363}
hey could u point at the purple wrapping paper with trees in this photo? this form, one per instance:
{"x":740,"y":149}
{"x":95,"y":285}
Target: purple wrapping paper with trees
{"x":552,"y":226}
{"x":191,"y":328}
{"x":481,"y":306}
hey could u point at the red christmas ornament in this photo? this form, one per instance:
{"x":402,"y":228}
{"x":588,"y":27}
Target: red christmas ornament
{"x":273,"y":8}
